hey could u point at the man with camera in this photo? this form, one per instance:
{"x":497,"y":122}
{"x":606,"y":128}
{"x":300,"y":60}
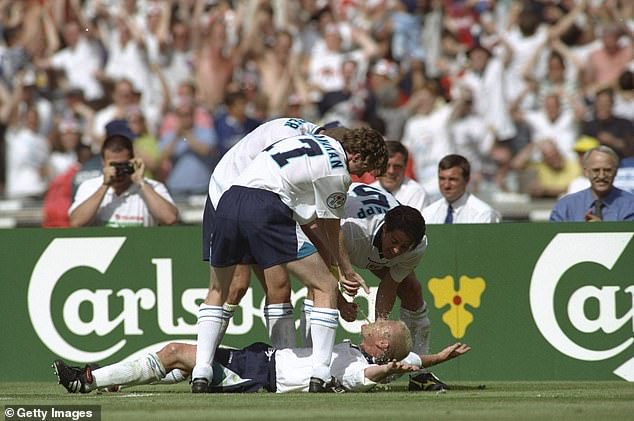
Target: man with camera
{"x":121,"y":197}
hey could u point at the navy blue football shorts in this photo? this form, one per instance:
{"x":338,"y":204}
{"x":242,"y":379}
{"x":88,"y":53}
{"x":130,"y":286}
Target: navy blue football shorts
{"x":254,"y":226}
{"x":253,"y":365}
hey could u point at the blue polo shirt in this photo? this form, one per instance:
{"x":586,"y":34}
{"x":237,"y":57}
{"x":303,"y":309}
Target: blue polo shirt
{"x":618,"y":206}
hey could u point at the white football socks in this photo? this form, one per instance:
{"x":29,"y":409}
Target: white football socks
{"x":280,"y":323}
{"x":304,"y":323}
{"x":323,"y":329}
{"x":147,"y":369}
{"x":210,"y":329}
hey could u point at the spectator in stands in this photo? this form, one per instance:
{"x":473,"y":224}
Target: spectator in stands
{"x":232,"y":123}
{"x":624,"y":96}
{"x":124,"y":100}
{"x":64,"y":147}
{"x":27,"y":157}
{"x":602,"y":201}
{"x":59,"y":194}
{"x":190,"y":152}
{"x":177,"y":56}
{"x":582,"y":145}
{"x":426,"y":138}
{"x":185,"y":91}
{"x":79,"y":61}
{"x":605,"y":65}
{"x":325,"y":65}
{"x":547,"y":170}
{"x":471,"y":137}
{"x":404,"y":189}
{"x":612,"y":131}
{"x":215,"y":61}
{"x":457,"y":206}
{"x":122,"y":196}
{"x":146,"y":144}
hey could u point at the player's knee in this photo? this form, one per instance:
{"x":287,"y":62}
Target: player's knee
{"x":236,"y":293}
{"x":170,"y":351}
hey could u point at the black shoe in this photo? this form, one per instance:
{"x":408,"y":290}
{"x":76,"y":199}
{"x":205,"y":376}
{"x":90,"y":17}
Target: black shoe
{"x":200,"y":385}
{"x":74,"y":379}
{"x":317,"y":385}
{"x":427,"y":382}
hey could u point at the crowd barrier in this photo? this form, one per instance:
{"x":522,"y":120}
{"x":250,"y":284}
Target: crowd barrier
{"x":536,"y":301}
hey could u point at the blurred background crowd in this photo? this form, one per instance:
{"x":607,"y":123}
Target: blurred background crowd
{"x":520,"y":88}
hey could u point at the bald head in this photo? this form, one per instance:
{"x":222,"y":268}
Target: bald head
{"x":386,"y":340}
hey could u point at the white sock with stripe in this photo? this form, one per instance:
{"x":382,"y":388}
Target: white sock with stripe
{"x":323,"y":329}
{"x":210,"y":324}
{"x":144,"y":370}
{"x":280,"y":322}
{"x":304,"y":323}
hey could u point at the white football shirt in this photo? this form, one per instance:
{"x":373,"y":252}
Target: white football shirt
{"x":293,"y":367}
{"x":242,"y":153}
{"x":363,"y":219}
{"x":308,"y":172}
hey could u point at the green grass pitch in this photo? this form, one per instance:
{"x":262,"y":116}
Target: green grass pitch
{"x":466,"y":400}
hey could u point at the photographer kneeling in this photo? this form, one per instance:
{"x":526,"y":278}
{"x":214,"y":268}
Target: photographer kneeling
{"x":121,"y":197}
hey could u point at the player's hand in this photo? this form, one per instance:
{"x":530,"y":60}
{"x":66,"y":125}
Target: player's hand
{"x":347,"y":310}
{"x":590,"y":217}
{"x":453,"y":351}
{"x":399,"y":367}
{"x":351,"y":282}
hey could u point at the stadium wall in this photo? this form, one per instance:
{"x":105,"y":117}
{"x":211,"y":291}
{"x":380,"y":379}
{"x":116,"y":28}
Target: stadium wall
{"x":535,"y":301}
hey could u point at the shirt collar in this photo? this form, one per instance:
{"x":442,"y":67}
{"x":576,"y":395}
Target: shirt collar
{"x":460,"y":202}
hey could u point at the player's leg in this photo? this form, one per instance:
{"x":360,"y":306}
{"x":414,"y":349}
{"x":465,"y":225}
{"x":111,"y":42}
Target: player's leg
{"x":415,"y":316}
{"x":278,"y":312}
{"x":212,"y":321}
{"x":313,"y":272}
{"x":304,"y":321}
{"x":228,"y":249}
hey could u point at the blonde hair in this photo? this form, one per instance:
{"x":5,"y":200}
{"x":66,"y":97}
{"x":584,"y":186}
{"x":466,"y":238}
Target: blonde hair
{"x":399,"y":340}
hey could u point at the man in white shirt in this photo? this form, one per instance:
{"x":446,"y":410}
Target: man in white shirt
{"x":457,"y":206}
{"x":121,"y":197}
{"x":404,"y":189}
{"x":297,"y":180}
{"x":259,"y":367}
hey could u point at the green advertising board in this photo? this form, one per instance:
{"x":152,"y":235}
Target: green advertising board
{"x":535,"y":301}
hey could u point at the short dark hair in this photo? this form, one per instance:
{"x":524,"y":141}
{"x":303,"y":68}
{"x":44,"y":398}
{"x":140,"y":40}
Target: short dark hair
{"x":117,"y":143}
{"x":406,"y":219}
{"x":394,"y":147}
{"x":455,"y":160}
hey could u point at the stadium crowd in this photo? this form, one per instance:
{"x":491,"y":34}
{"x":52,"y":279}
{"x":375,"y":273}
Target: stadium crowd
{"x":519,"y":88}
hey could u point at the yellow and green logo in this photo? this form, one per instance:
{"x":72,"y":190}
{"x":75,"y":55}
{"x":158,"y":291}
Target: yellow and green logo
{"x":469,"y":292}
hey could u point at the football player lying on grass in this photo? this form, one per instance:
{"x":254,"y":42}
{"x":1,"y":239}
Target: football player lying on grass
{"x":382,"y":355}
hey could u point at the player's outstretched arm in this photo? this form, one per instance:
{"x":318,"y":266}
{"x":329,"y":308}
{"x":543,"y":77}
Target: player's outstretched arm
{"x":449,"y":353}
